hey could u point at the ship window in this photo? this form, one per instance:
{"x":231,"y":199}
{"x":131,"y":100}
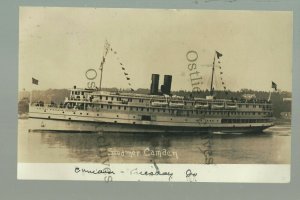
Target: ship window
{"x":247,"y":106}
{"x":101,"y":106}
{"x":119,"y":107}
{"x":81,"y":113}
{"x":110,"y":107}
{"x":146,"y":117}
{"x":130,"y":108}
{"x":115,"y":121}
{"x":100,"y":97}
{"x":137,"y":109}
{"x":164,"y":110}
{"x":158,"y":110}
{"x":130,"y":100}
{"x":124,"y":107}
{"x":87,"y":113}
{"x":82,"y":93}
{"x":106,"y":98}
{"x":112,"y":98}
{"x":97,"y":114}
{"x":148,"y":109}
{"x":142,"y":109}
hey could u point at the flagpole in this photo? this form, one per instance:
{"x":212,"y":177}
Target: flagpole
{"x":269,"y":96}
{"x":31,"y":92}
{"x":30,"y":100}
{"x":33,"y":82}
{"x":106,"y":49}
{"x":212,"y":76}
{"x":274,"y":86}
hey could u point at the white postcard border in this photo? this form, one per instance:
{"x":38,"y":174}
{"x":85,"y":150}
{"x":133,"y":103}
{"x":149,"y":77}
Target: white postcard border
{"x":243,"y":173}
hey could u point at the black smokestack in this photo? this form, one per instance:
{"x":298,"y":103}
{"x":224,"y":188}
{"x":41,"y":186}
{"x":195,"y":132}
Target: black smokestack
{"x":166,"y":87}
{"x":154,"y":84}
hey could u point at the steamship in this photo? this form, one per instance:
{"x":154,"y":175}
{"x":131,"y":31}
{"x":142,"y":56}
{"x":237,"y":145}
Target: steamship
{"x":95,"y":110}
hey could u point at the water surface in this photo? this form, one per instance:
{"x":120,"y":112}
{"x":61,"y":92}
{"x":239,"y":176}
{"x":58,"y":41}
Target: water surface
{"x":269,"y":147}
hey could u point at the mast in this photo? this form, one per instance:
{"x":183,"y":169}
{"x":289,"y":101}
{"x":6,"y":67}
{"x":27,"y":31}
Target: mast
{"x":212,"y":76}
{"x":106,"y":49}
{"x":101,"y":70}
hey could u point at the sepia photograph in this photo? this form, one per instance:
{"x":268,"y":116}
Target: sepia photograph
{"x":152,"y":94}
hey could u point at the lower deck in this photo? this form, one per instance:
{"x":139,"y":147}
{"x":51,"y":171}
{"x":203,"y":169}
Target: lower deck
{"x":78,"y":120}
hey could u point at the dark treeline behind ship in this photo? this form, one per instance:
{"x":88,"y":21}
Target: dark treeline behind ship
{"x":58,"y":96}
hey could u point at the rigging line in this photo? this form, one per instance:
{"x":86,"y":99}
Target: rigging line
{"x":126,"y":75}
{"x":106,"y":49}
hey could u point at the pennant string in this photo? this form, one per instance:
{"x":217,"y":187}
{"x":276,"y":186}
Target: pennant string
{"x":126,"y":74}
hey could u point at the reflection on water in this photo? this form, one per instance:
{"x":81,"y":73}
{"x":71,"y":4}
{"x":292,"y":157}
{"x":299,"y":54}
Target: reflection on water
{"x":270,"y":147}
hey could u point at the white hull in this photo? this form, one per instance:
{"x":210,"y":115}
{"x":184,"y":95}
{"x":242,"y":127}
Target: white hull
{"x":68,"y":120}
{"x":38,"y":125}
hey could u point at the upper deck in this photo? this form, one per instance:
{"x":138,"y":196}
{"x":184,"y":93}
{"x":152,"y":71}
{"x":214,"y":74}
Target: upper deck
{"x":79,"y":96}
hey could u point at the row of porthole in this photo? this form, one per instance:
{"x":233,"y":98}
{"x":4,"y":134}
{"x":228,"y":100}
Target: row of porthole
{"x":80,"y":113}
{"x":133,"y":117}
{"x":114,"y":121}
{"x":211,"y":120}
{"x":133,"y":122}
{"x":241,"y":113}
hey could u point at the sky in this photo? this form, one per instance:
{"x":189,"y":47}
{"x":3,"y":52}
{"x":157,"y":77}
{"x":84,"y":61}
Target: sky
{"x":58,"y":45}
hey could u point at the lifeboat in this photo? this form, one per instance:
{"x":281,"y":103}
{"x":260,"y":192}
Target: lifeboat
{"x":157,"y":103}
{"x":217,"y":106}
{"x":231,"y":106}
{"x":176,"y":105}
{"x":197,"y":106}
